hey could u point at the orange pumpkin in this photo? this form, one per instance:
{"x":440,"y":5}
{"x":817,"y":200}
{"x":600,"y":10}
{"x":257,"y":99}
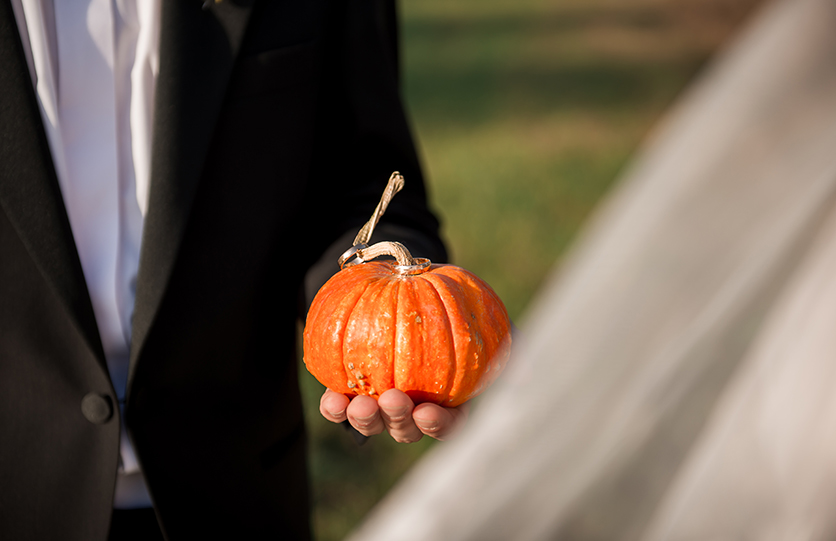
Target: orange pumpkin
{"x":436,"y":332}
{"x":441,"y":335}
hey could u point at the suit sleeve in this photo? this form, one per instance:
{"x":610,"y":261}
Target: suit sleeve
{"x":363,"y":136}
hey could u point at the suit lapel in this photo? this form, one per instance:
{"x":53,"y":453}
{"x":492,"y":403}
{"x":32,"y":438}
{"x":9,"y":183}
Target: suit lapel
{"x":198,"y":47}
{"x":29,"y":191}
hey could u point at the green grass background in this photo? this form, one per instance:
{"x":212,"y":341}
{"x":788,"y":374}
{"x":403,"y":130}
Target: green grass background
{"x":525,"y":111}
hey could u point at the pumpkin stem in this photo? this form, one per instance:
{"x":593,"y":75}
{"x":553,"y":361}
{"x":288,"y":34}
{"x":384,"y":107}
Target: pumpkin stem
{"x":394,"y":185}
{"x":407,"y":265}
{"x":394,"y":249}
{"x":360,"y":252}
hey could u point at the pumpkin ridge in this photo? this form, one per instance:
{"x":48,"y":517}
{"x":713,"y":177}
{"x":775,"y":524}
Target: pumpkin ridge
{"x":344,"y":329}
{"x":391,"y":384}
{"x":422,"y":369}
{"x":370,"y":374}
{"x":323,"y":361}
{"x":396,"y":353}
{"x":452,"y":372}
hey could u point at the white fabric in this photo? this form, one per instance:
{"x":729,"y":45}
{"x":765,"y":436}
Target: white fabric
{"x":95,"y":66}
{"x":678,"y":380}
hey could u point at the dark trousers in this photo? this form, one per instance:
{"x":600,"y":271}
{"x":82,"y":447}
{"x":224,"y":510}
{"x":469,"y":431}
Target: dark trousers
{"x":134,"y":525}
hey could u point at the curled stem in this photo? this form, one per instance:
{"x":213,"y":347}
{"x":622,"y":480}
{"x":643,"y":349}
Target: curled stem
{"x":360,"y":252}
{"x":394,"y":249}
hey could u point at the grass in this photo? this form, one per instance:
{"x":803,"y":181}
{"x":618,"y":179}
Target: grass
{"x":525,"y":112}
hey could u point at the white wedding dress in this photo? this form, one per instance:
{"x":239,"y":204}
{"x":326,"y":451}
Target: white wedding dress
{"x":678,"y":377}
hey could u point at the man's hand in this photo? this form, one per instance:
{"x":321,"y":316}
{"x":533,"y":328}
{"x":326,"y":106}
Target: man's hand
{"x":395,"y":413}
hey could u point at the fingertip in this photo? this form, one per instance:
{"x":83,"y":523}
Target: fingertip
{"x":428,"y":418}
{"x":364,"y":415}
{"x":427,"y":409}
{"x":394,"y":399}
{"x":333,"y":406}
{"x":439,"y":422}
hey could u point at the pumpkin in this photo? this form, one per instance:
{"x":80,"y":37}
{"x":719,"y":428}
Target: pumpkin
{"x":436,"y":332}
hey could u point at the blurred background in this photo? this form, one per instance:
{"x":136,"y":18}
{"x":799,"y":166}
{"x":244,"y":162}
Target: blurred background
{"x":525,"y":112}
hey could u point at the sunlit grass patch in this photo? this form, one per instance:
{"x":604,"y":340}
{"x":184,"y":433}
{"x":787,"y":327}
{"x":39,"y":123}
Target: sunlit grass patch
{"x":521,"y":189}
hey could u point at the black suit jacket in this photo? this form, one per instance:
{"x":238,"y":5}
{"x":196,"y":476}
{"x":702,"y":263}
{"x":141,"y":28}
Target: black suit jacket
{"x":277,"y":124}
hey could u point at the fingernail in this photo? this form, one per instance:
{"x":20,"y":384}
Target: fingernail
{"x":426,"y":425}
{"x":396,"y":414}
{"x":365,"y":421}
{"x":335,"y":413}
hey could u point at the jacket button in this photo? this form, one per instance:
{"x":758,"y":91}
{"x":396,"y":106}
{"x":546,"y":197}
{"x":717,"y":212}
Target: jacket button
{"x":96,"y":408}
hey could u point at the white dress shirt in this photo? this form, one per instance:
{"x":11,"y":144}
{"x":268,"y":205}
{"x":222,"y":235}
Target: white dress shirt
{"x":94,"y":65}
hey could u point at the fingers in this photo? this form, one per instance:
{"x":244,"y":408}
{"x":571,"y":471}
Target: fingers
{"x":395,"y":413}
{"x":440,"y":423}
{"x":361,"y":411}
{"x":364,"y":415}
{"x":392,"y":413}
{"x":332,"y":406}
